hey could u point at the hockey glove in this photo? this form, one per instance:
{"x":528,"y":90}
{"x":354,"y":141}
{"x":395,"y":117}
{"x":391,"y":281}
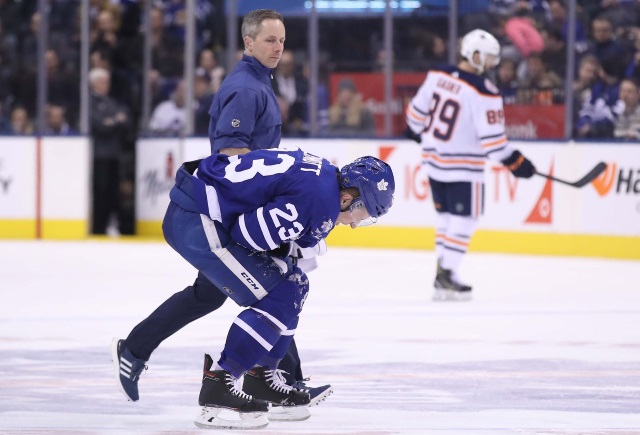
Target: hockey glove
{"x":282,"y":251}
{"x":519,"y":165}
{"x":410,"y":134}
{"x":305,"y":258}
{"x":318,"y":249}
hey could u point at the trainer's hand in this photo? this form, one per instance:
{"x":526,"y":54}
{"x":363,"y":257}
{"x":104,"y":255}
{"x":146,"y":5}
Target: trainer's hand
{"x":410,"y":134}
{"x":519,"y":165}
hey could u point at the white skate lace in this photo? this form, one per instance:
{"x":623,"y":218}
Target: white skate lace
{"x":235,"y":388}
{"x":277,"y":381}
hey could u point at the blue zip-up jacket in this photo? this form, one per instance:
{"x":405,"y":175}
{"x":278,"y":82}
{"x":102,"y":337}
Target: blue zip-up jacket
{"x":245,"y":112}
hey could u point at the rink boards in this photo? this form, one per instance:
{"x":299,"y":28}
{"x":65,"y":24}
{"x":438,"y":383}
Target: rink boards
{"x":527,"y":216}
{"x":44,"y":190}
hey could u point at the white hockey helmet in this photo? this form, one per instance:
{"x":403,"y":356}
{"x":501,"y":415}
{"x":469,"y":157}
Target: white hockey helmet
{"x":482,"y":42}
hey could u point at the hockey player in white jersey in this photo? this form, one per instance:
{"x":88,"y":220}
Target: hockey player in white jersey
{"x":457,"y":115}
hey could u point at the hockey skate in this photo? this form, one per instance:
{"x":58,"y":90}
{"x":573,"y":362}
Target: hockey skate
{"x":447,"y":288}
{"x":224,"y":405}
{"x":287,"y":403}
{"x":128,"y":369}
{"x":316,"y":394}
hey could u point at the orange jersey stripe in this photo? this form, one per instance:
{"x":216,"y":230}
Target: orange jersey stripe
{"x":415,"y":116}
{"x":453,"y":161}
{"x":496,"y":143}
{"x":456,"y":242}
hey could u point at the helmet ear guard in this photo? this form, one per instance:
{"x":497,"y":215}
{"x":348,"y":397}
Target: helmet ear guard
{"x":374,"y":180}
{"x":481,"y":42}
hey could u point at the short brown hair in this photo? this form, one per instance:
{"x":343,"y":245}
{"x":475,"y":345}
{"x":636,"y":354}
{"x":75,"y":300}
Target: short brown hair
{"x":252,"y":22}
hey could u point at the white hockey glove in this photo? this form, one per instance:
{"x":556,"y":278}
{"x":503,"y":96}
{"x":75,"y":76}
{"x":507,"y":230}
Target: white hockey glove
{"x":305,"y":258}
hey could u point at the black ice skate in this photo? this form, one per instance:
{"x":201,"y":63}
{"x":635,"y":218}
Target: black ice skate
{"x":224,"y":405}
{"x":287,"y":403}
{"x":316,"y":394}
{"x":447,"y":288}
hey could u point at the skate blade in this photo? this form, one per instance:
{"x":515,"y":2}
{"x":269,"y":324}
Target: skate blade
{"x":450,"y":295}
{"x":289,"y":413}
{"x":320,"y":397}
{"x":220,"y":418}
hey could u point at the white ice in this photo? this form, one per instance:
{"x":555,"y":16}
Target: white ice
{"x":549,"y":345}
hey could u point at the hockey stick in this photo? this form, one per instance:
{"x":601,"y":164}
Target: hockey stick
{"x":591,"y":175}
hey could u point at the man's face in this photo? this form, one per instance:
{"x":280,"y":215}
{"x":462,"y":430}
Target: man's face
{"x":56,"y":116}
{"x":101,"y":85}
{"x":588,"y":72}
{"x":602,"y":31}
{"x":629,"y":94}
{"x":354,"y":215}
{"x":268,"y":44}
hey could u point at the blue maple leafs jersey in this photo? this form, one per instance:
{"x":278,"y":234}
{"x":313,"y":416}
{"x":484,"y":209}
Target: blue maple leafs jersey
{"x":268,"y":197}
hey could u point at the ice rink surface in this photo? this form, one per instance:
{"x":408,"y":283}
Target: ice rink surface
{"x":548,"y":345}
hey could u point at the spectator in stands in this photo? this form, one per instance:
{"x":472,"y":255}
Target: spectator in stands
{"x":57,"y":124}
{"x":559,"y":22}
{"x":587,"y":77}
{"x":21,"y":124}
{"x":209,"y":63}
{"x":555,"y":51}
{"x":10,"y":15}
{"x":110,"y":124}
{"x":169,"y":117}
{"x":63,"y":86}
{"x":289,"y":83}
{"x":8,"y":64}
{"x":539,"y":80}
{"x":8,"y":48}
{"x":322,"y":96}
{"x":104,"y":32}
{"x":627,"y":124}
{"x":633,"y":68}
{"x":506,"y":80}
{"x":5,"y":126}
{"x":167,"y":49}
{"x":348,"y":115}
{"x":521,"y":31}
{"x":609,"y":52}
{"x":203,"y":99}
{"x":595,"y":111}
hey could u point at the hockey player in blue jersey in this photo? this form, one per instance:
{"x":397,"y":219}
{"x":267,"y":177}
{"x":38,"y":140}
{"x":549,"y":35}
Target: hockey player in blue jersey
{"x":235,"y":218}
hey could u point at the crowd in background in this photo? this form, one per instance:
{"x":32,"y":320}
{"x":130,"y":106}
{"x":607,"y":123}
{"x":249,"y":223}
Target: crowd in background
{"x":533,"y":68}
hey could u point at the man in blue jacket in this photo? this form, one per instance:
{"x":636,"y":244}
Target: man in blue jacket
{"x":245,"y":116}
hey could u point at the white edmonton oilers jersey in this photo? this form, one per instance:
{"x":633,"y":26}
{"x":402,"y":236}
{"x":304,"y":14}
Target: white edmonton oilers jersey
{"x":461,"y":119}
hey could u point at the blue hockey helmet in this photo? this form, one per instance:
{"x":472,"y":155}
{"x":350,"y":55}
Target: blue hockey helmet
{"x":374,"y":179}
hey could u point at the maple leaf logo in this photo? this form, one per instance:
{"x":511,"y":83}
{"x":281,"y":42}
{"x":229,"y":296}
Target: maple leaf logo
{"x":382,"y":185}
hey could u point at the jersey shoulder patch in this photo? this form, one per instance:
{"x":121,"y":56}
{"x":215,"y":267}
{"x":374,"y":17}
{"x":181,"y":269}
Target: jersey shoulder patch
{"x":481,"y":84}
{"x":491,"y":87}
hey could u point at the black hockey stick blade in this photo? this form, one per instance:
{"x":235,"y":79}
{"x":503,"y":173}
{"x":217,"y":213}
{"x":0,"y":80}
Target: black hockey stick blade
{"x":591,"y":175}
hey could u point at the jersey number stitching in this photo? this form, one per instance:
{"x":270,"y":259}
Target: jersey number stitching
{"x":447,"y":115}
{"x":258,"y":167}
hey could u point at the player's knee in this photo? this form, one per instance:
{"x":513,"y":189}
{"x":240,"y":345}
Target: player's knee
{"x":286,"y":300}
